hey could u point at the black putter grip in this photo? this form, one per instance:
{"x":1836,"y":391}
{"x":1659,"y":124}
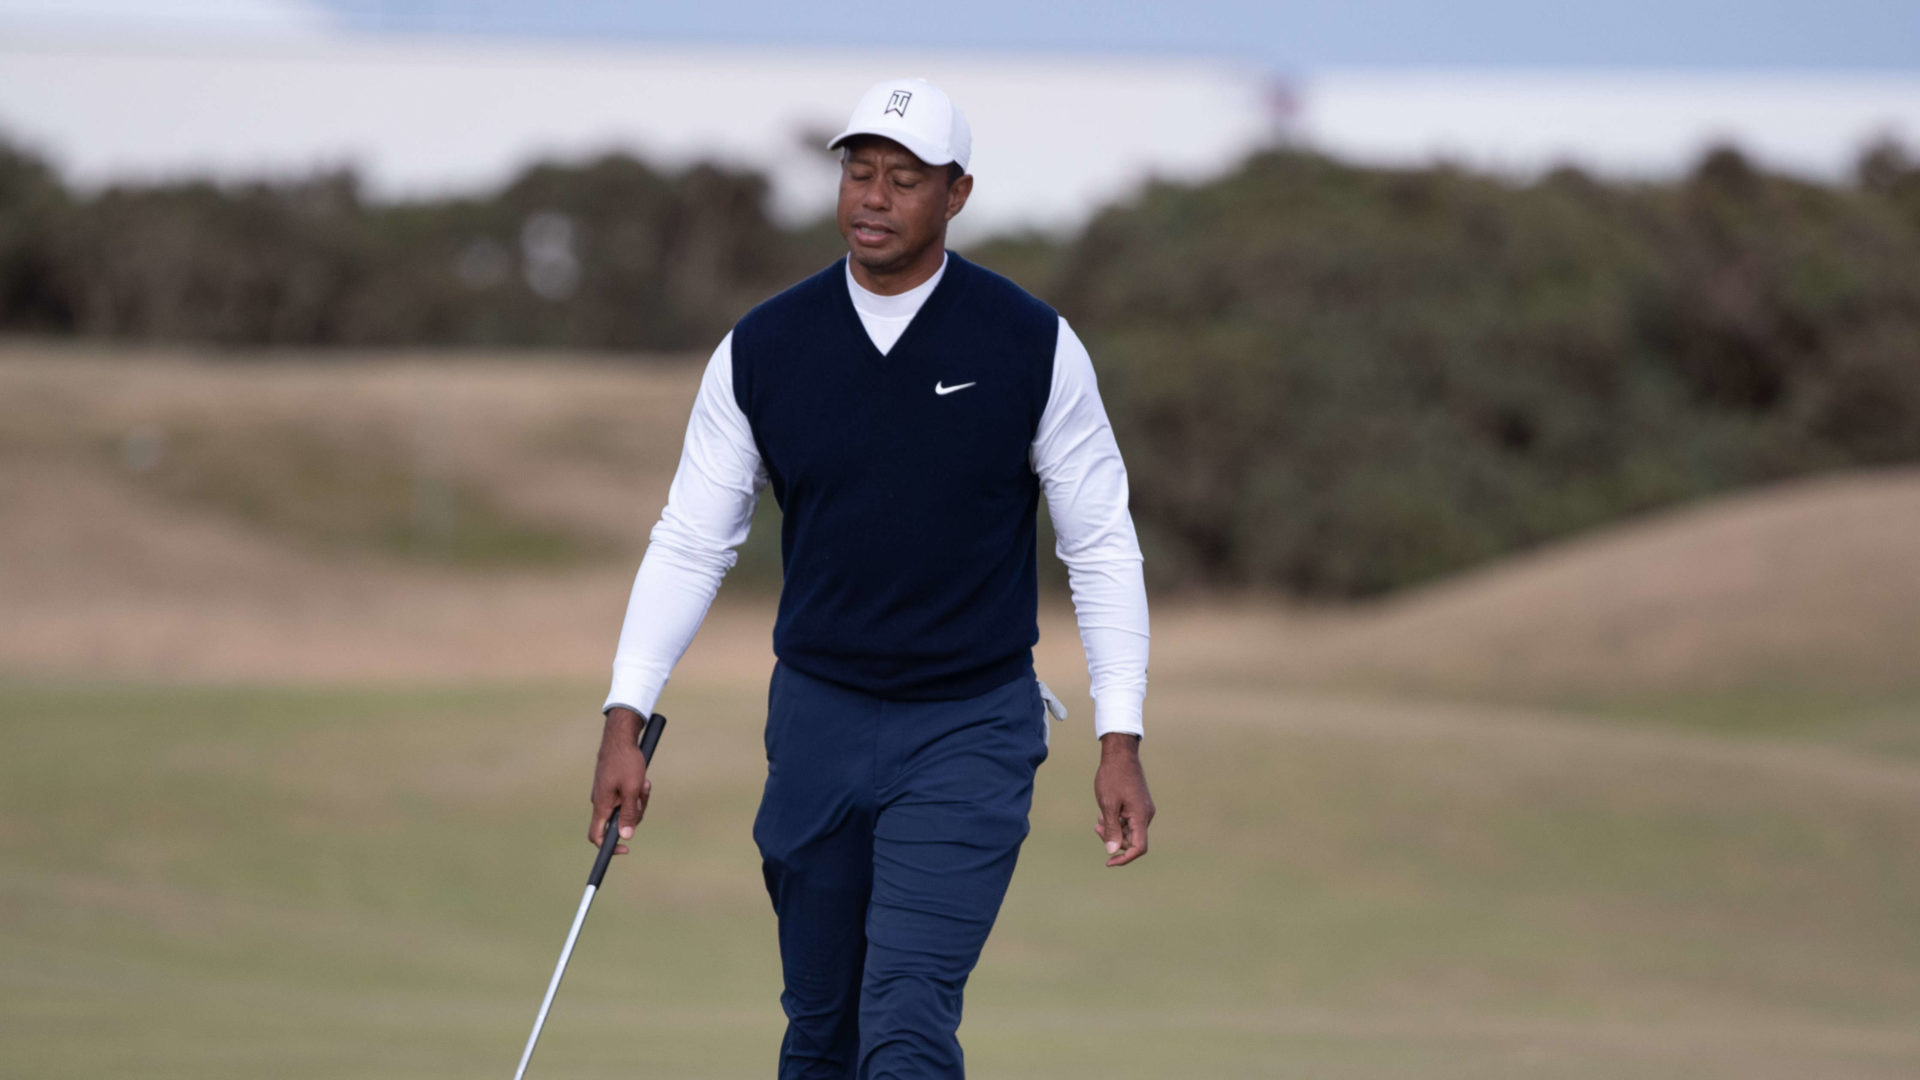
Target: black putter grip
{"x":649,"y":739}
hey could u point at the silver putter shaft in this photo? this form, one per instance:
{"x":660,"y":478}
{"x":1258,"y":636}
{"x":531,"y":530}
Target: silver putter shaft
{"x":649,"y":739}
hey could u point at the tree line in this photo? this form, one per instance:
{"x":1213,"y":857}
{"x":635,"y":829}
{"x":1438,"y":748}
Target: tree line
{"x":1329,"y":380}
{"x":607,"y":254}
{"x":1340,"y":381}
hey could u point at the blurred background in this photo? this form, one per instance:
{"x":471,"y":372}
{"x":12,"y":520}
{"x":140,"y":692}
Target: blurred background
{"x":1522,"y":405}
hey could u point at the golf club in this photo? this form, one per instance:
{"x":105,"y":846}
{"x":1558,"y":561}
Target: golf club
{"x":649,"y":738}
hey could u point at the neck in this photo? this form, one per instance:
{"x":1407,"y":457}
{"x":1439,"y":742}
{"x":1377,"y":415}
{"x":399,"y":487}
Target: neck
{"x":894,"y":280}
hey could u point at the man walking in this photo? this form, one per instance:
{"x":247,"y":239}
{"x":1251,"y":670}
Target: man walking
{"x":908,"y":409}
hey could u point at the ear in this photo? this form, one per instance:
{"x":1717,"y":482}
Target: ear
{"x":957,"y":193}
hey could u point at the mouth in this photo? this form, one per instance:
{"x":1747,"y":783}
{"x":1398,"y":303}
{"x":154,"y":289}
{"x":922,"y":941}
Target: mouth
{"x":870,"y":233}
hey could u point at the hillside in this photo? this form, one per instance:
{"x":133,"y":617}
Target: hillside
{"x":219,"y":569}
{"x":1811,"y":583}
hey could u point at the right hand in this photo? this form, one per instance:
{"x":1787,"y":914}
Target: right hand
{"x":619,"y":778}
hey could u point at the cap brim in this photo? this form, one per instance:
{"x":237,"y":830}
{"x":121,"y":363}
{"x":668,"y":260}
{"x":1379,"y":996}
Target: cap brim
{"x":915,"y":146}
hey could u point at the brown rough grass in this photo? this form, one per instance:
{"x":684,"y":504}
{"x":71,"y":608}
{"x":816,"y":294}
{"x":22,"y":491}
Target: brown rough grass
{"x":104,"y":574}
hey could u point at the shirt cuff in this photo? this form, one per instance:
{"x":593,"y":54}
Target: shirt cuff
{"x":1119,"y":712}
{"x":636,"y":690}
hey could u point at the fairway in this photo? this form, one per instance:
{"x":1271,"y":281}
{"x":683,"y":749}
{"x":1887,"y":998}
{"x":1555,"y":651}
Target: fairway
{"x":224,"y":882}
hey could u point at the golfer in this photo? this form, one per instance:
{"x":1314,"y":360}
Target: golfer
{"x":908,"y":408}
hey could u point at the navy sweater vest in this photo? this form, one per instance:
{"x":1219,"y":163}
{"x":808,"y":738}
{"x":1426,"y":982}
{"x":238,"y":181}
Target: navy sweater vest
{"x":907,"y":538}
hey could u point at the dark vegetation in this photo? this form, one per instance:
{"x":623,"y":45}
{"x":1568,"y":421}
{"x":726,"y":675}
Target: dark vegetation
{"x":1329,"y":380}
{"x":1341,"y":381}
{"x":607,"y":254}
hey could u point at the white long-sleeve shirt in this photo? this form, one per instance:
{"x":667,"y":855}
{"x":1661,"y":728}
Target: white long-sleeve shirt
{"x":710,"y":507}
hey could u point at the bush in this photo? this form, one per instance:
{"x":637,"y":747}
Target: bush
{"x":1341,"y":381}
{"x":605,"y":254}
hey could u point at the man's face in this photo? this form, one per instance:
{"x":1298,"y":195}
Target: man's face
{"x":893,"y":206}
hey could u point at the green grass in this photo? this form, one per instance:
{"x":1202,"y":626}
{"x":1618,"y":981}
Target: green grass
{"x":227,"y":882}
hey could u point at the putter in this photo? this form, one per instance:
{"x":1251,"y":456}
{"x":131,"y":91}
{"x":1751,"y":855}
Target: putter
{"x":649,"y":739}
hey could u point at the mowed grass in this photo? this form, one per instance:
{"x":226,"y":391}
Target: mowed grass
{"x":213,"y":883}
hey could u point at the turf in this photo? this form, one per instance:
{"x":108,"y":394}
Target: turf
{"x":222,"y":882}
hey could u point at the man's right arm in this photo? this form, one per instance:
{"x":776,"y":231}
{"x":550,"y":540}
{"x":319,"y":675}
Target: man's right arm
{"x":709,"y":510}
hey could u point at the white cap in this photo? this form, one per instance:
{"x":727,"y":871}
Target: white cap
{"x":916,"y":114}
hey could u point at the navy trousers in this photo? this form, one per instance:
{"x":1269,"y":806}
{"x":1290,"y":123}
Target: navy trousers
{"x":888,"y":832}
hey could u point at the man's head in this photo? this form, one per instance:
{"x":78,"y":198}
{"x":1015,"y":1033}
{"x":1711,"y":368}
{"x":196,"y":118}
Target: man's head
{"x":894,"y":208}
{"x":903,"y":161}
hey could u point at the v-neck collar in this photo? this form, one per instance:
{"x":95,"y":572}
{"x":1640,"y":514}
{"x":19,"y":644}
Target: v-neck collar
{"x":899,"y":306}
{"x":937,"y":301}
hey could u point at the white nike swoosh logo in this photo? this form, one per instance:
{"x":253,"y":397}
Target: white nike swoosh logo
{"x":943,"y":390}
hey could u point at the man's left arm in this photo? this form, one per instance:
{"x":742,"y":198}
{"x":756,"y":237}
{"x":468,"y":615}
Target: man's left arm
{"x":1080,"y":469}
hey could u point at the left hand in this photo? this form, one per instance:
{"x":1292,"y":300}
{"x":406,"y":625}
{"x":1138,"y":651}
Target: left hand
{"x":1120,"y":789}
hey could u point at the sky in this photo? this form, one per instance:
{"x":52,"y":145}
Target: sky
{"x":427,"y":97}
{"x":1285,"y":36}
{"x":1281,"y":34}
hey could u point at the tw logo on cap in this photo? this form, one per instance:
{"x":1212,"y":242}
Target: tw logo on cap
{"x":897,"y":104}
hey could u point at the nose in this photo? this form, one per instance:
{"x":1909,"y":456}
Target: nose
{"x":874,"y":196}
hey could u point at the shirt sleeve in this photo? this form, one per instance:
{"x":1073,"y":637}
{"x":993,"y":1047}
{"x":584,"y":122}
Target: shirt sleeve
{"x":1079,"y":466}
{"x":709,"y":510}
